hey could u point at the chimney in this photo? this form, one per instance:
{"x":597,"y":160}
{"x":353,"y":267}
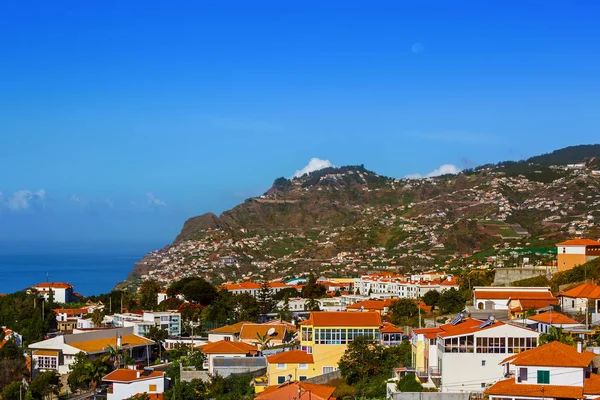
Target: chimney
{"x":137,"y":374}
{"x":579,"y":346}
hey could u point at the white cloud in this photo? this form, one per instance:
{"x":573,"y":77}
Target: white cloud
{"x":23,"y":199}
{"x":442,"y":170}
{"x":314,"y":164}
{"x":155,"y":201}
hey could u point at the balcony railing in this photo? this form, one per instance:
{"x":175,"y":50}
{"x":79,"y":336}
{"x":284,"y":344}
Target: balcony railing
{"x":427,"y":372}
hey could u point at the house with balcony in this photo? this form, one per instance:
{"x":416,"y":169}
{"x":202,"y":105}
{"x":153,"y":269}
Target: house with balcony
{"x":224,"y":353}
{"x":296,"y":363}
{"x":470,"y":351}
{"x":552,"y":371}
{"x":390,"y":334}
{"x":424,"y":352}
{"x":326,"y":335}
{"x":142,"y":322}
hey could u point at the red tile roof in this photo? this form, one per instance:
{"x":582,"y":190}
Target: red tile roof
{"x":343,"y":318}
{"x":234,"y":328}
{"x":579,"y":242}
{"x":553,"y":354}
{"x":390,"y":328}
{"x":553,"y":317}
{"x":251,"y":331}
{"x":512,"y":294}
{"x":291,"y":357}
{"x":130,"y":375}
{"x":53,"y":285}
{"x":587,"y":290}
{"x":378,"y":305}
{"x":227,"y":347}
{"x":510,"y":388}
{"x":317,"y":392}
{"x":429,"y":333}
{"x":592,"y":385}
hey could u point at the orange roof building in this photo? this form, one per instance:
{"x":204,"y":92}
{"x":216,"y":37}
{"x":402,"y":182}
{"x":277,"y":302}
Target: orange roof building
{"x":298,"y":390}
{"x":62,"y":292}
{"x":544,"y":321}
{"x":576,"y":252}
{"x":516,"y":300}
{"x":225,"y":349}
{"x":554,"y":370}
{"x":250,"y":333}
{"x":580,"y":297}
{"x":129,"y":383}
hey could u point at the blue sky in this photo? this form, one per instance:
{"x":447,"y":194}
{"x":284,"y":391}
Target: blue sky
{"x":119,"y":120}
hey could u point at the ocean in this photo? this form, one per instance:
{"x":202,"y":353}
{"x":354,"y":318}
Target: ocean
{"x":92,"y":268}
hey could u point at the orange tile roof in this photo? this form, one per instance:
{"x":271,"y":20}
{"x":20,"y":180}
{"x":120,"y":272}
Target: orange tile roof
{"x":378,"y":305}
{"x":343,"y":318}
{"x":100,"y":345}
{"x":390,"y":328}
{"x":553,"y":317}
{"x":71,"y":311}
{"x":553,"y":354}
{"x":579,"y":242}
{"x":509,"y":387}
{"x":468,"y":325}
{"x":234,"y":328}
{"x":587,"y":290}
{"x":53,"y":285}
{"x":251,"y":331}
{"x":512,"y":294}
{"x":291,"y":357}
{"x":130,"y":375}
{"x":592,"y":385}
{"x":150,"y":396}
{"x":317,"y":392}
{"x":227,"y":347}
{"x":527,"y":304}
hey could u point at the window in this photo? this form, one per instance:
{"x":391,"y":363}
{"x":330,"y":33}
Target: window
{"x":543,"y":377}
{"x":302,"y":366}
{"x":302,"y":378}
{"x":227,"y":338}
{"x":327,"y":370}
{"x":280,"y":366}
{"x":152,"y":388}
{"x":483,"y":363}
{"x":573,"y":303}
{"x":523,"y":374}
{"x":280,"y":379}
{"x":482,"y":384}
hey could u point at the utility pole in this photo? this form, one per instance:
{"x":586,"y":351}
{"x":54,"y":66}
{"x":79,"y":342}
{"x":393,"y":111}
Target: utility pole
{"x":419,"y":308}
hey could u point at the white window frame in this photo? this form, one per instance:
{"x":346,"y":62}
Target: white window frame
{"x":303,"y":366}
{"x":280,"y":365}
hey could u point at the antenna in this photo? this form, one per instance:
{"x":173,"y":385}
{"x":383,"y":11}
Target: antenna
{"x":271,"y":331}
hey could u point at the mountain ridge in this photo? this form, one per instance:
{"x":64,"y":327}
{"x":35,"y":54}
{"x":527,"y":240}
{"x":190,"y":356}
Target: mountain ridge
{"x":387,"y":222}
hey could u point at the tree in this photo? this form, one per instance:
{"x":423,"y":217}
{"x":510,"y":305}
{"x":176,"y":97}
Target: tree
{"x":361,"y":360}
{"x":148,"y":291}
{"x":402,"y":311}
{"x":246,"y":307}
{"x":451,"y":301}
{"x":194,"y":289}
{"x":312,"y":289}
{"x":97,"y":318}
{"x":262,"y":341}
{"x":85,"y":373}
{"x":13,"y":391}
{"x":285,"y":313}
{"x":556,"y":335}
{"x":45,"y":384}
{"x":409,"y":383}
{"x":431,"y":298}
{"x":312,"y":305}
{"x":287,"y":293}
{"x":265,"y":299}
{"x":12,"y":370}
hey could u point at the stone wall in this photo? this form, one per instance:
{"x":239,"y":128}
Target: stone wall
{"x":506,"y":276}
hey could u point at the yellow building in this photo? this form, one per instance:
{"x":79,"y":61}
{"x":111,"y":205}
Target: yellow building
{"x":295,"y":365}
{"x":576,"y":252}
{"x":325,"y":335}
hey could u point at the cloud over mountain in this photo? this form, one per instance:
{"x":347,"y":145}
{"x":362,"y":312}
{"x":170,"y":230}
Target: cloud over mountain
{"x":442,"y":170}
{"x":314,"y":164}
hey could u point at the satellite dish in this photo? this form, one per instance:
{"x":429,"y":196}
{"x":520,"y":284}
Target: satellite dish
{"x":271,"y":332}
{"x":361,"y":308}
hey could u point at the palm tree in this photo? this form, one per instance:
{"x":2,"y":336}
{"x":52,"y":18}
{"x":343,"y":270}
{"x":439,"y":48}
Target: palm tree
{"x":556,"y":335}
{"x":117,"y":355}
{"x":97,"y":318}
{"x":97,"y":369}
{"x":262,"y":340}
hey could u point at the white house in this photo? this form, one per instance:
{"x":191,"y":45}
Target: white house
{"x":578,"y":299}
{"x":505,"y":297}
{"x":167,"y":320}
{"x":62,"y":292}
{"x":9,"y":334}
{"x":126,"y":383}
{"x":470,"y":351}
{"x":552,"y":371}
{"x":544,"y":321}
{"x":59,"y":352}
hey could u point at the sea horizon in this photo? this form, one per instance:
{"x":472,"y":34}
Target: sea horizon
{"x":92,"y":268}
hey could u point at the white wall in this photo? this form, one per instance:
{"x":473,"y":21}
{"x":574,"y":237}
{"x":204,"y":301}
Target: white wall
{"x":126,"y":390}
{"x":211,"y":357}
{"x":558,"y":375}
{"x":571,"y":305}
{"x":571,"y":250}
{"x":215,"y":337}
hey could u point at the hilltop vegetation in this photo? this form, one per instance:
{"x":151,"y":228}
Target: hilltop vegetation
{"x":350,"y":220}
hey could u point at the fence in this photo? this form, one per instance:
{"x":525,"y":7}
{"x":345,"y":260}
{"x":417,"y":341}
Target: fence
{"x":431,"y":396}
